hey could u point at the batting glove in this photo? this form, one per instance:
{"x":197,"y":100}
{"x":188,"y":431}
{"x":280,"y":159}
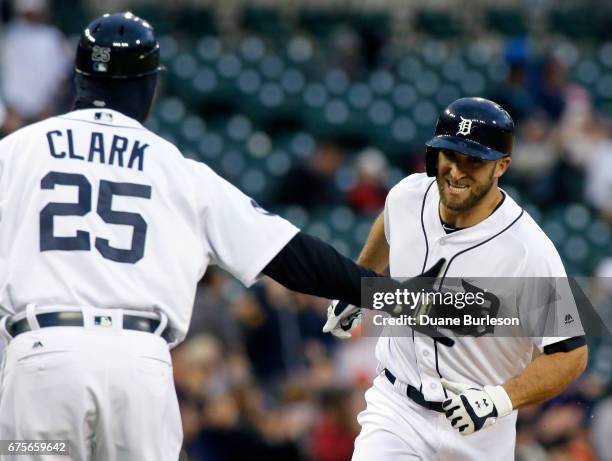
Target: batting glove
{"x":472,"y":408}
{"x":341,"y":319}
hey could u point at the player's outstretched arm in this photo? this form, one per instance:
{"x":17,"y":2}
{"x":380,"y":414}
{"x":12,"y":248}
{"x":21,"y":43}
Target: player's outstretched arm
{"x":342,"y":317}
{"x":472,"y":408}
{"x":309,"y":265}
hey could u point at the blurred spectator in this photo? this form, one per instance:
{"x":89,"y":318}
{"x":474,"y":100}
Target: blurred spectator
{"x":334,"y":434}
{"x":259,"y":323}
{"x":528,"y":448}
{"x":198,"y":366}
{"x":374,"y":46}
{"x":347,"y":51}
{"x":602,"y":422}
{"x":211,"y":312}
{"x":535,"y":160}
{"x":223,"y":435}
{"x":598,"y":181}
{"x":369,"y":193}
{"x":270,"y":323}
{"x":3,"y":116}
{"x":513,"y":95}
{"x":355,"y":360}
{"x":313,"y":185}
{"x":560,"y":430}
{"x":35,"y":63}
{"x":191,"y":419}
{"x":599,"y":376}
{"x":581,"y":130}
{"x":549,"y":87}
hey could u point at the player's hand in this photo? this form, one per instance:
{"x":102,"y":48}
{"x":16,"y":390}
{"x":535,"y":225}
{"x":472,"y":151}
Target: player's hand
{"x":472,"y":408}
{"x":425,"y":283}
{"x":341,"y":319}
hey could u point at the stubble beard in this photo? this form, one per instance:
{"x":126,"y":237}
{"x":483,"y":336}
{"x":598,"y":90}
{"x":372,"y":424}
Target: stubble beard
{"x":476,"y":194}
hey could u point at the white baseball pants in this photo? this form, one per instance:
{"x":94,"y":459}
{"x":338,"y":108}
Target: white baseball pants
{"x":109,"y":392}
{"x":394,"y":428}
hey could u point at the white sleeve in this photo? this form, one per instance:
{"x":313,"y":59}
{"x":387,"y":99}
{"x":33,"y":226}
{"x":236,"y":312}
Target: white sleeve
{"x":547,"y":305}
{"x":242,"y":236}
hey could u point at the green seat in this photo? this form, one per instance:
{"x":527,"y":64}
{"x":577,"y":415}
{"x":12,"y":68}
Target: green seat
{"x":69,"y":16}
{"x":295,"y":214}
{"x":321,"y":23}
{"x":278,"y":163}
{"x":604,"y":23}
{"x":171,"y":111}
{"x":264,"y":21}
{"x":555,"y":230}
{"x":438,"y":24}
{"x":576,"y":250}
{"x":196,"y":22}
{"x":368,"y":23}
{"x":507,"y":21}
{"x":162,"y":19}
{"x":576,"y":23}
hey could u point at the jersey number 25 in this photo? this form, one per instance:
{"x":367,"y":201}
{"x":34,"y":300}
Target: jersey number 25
{"x":81,"y":241}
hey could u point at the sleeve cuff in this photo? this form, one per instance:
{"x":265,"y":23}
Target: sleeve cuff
{"x":566,"y":345}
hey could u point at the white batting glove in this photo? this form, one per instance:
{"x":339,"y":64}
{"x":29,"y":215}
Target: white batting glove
{"x":341,"y":319}
{"x":472,"y":408}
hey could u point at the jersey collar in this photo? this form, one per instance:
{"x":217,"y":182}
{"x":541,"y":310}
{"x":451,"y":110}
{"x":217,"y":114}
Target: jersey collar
{"x":507,"y":212}
{"x":108,"y":117}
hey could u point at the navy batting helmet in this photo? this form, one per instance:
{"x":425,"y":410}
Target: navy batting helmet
{"x":116,"y":46}
{"x":473,"y":126}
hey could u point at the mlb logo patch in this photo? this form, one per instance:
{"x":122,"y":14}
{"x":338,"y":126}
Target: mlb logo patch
{"x":100,"y":67}
{"x":103,"y":321}
{"x":103,"y":116}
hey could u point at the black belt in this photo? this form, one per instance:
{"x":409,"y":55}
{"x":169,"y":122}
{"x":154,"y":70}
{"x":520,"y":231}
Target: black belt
{"x":415,"y":395}
{"x":75,"y":319}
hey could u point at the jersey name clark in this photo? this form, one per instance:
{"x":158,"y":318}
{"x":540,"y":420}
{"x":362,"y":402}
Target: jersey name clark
{"x":116,"y":150}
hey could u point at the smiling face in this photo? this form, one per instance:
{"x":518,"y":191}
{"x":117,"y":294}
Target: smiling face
{"x":464,"y":181}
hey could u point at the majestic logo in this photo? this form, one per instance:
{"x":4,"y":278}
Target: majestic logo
{"x":568,"y":319}
{"x":465,"y":126}
{"x":37,"y":344}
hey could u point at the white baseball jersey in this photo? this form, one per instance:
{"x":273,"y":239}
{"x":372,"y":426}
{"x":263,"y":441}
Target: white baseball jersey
{"x":508,"y":243}
{"x":96,"y":210}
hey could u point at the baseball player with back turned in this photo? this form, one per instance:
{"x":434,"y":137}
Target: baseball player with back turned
{"x":105,"y":230}
{"x":433,"y":403}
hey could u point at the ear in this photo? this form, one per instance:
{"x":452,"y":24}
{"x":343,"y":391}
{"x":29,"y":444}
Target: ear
{"x":501,"y":166}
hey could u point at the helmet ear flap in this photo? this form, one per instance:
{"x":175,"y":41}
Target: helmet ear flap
{"x":431,"y":161}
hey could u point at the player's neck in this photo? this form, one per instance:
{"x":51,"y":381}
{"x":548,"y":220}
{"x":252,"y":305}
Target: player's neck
{"x":474,"y":215}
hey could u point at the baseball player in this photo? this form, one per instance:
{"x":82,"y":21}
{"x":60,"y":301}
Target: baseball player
{"x":105,"y":229}
{"x":432,"y":403}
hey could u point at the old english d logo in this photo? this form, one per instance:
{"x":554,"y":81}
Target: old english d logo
{"x":465,"y":126}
